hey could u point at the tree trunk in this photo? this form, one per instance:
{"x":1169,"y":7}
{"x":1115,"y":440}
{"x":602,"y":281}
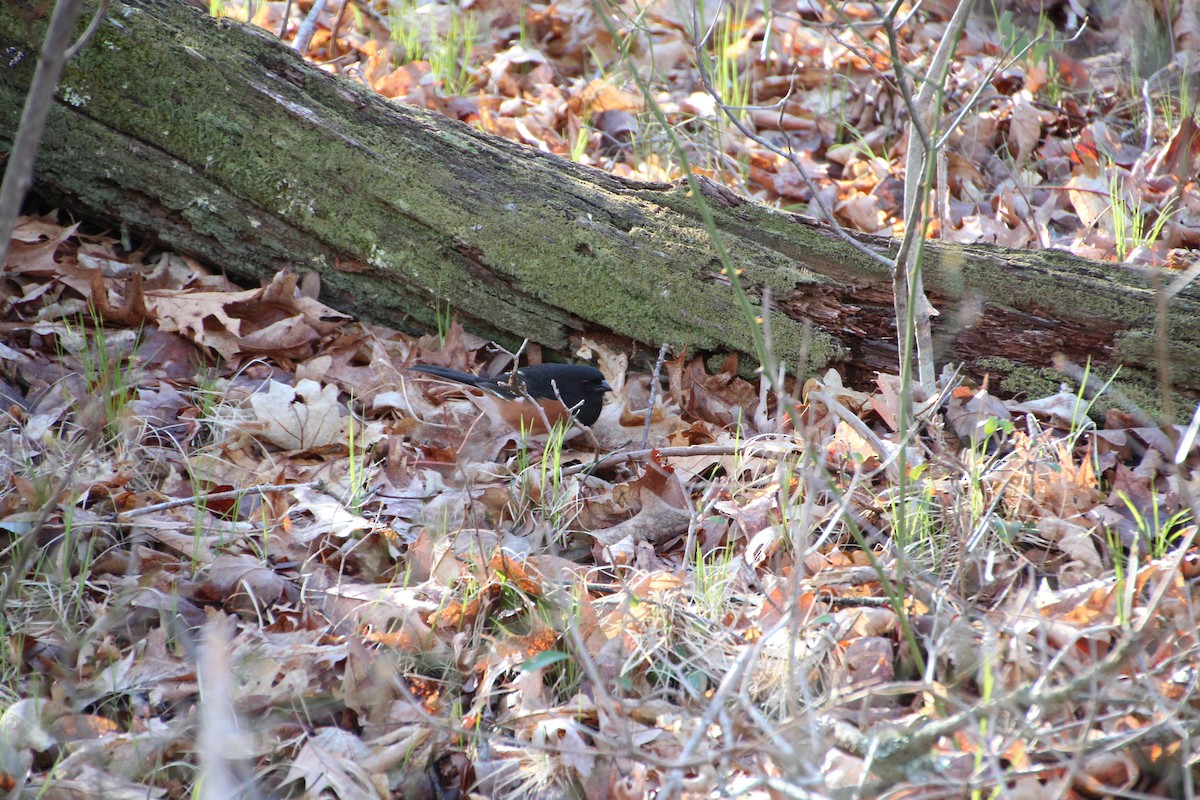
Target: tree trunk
{"x":218,"y":141}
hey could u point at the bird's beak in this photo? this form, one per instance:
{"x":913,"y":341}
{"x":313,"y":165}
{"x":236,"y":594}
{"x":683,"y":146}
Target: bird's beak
{"x":604,"y":387}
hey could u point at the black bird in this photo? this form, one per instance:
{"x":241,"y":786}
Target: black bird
{"x":579,"y":386}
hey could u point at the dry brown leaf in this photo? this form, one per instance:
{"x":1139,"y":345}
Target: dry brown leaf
{"x":333,"y":760}
{"x":599,"y":96}
{"x":869,"y":661}
{"x":35,"y":244}
{"x":305,"y":417}
{"x":243,"y":582}
{"x":1079,"y":544}
{"x":22,"y":733}
{"x":664,"y":513}
{"x":976,"y":418}
{"x":1090,"y":199}
{"x":1025,"y":127}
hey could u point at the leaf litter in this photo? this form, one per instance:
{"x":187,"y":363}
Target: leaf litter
{"x":1050,"y":142}
{"x":250,"y":507}
{"x":407,"y":598}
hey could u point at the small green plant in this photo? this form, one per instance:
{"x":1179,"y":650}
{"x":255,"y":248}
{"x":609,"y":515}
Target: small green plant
{"x":1130,"y":218}
{"x":450,"y":55}
{"x":1141,"y":236}
{"x":915,"y":519}
{"x":977,"y":461}
{"x":1174,"y":108}
{"x":109,"y":376}
{"x":207,"y":397}
{"x":1125,"y":565}
{"x":833,"y":94}
{"x":987,"y":690}
{"x":445,"y":319}
{"x":79,"y":553}
{"x":850,"y":135}
{"x":551,"y":463}
{"x":39,"y":481}
{"x":404,"y":23}
{"x":357,"y":473}
{"x":728,"y":45}
{"x":1185,"y":97}
{"x":580,"y":144}
{"x":562,"y":672}
{"x":215,"y":415}
{"x":1081,"y":411}
{"x":541,"y":487}
{"x":199,"y":518}
{"x":1032,"y":50}
{"x":713,"y":576}
{"x":206,"y":394}
{"x":1158,"y":533}
{"x":522,"y":28}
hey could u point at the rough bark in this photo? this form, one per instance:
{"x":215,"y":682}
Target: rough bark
{"x":220,"y":142}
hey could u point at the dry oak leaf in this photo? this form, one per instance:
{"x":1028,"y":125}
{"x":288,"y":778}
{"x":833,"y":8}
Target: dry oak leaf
{"x":240,"y":575}
{"x":1024,"y":127}
{"x":304,"y":417}
{"x":330,"y":761}
{"x":600,"y":96}
{"x":200,"y":316}
{"x":274,"y":319}
{"x":1078,"y":543}
{"x":665,"y":510}
{"x":330,"y":517}
{"x":1065,"y":409}
{"x":975,"y":417}
{"x":34,"y":245}
{"x":869,"y":660}
{"x":21,"y":733}
{"x":83,"y":781}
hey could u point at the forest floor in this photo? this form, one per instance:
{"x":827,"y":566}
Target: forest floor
{"x":248,"y":554}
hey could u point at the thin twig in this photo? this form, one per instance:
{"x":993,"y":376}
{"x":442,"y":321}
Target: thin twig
{"x":333,"y":36}
{"x":923,"y":111}
{"x":92,"y":27}
{"x":307,"y":28}
{"x":784,"y":452}
{"x":232,"y":494}
{"x":730,"y":682}
{"x":287,"y":12}
{"x":662,"y":355}
{"x":18,"y":173}
{"x":378,"y":22}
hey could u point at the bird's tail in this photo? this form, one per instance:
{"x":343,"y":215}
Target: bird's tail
{"x":447,"y":373}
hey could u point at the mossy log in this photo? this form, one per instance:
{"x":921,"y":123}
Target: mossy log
{"x":218,"y":141}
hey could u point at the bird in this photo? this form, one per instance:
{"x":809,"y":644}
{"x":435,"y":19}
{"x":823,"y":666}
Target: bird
{"x":559,"y":389}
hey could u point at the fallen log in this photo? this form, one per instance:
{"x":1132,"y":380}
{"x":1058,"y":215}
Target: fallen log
{"x":218,"y":141}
